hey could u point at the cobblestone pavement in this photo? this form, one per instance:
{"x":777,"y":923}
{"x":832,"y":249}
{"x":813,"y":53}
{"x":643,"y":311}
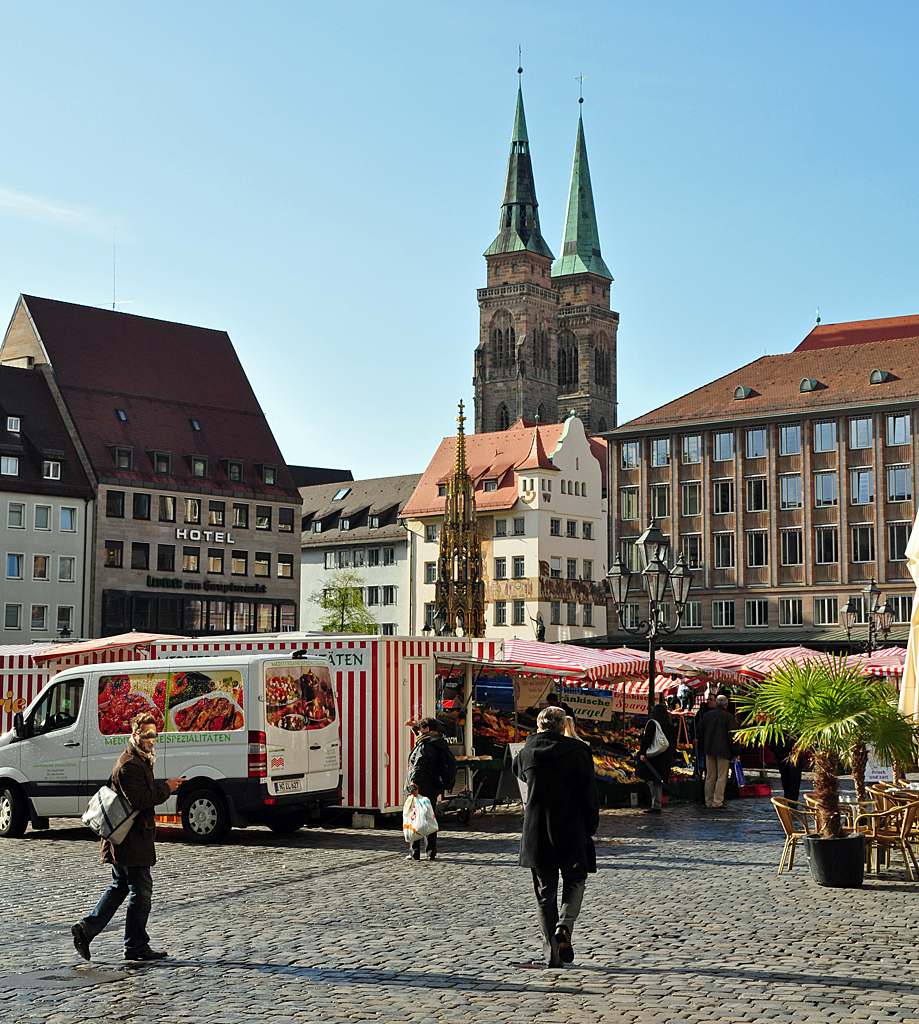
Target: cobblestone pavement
{"x":685,"y":921}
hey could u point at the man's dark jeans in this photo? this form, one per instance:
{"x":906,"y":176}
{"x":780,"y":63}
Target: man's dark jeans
{"x":545,"y":885}
{"x":137,"y":885}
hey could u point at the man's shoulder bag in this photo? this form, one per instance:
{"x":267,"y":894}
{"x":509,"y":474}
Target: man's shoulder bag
{"x":109,"y":815}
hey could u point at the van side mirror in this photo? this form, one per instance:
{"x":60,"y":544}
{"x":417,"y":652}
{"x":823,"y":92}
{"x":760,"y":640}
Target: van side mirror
{"x":19,"y":725}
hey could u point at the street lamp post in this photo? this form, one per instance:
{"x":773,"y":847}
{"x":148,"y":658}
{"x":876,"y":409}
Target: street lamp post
{"x":652,"y":548}
{"x":878,"y":617}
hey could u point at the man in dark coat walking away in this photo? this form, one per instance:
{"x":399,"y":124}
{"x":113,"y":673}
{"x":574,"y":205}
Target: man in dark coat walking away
{"x":717,"y":742}
{"x":431,"y":771}
{"x":132,"y":859}
{"x":562,"y":813}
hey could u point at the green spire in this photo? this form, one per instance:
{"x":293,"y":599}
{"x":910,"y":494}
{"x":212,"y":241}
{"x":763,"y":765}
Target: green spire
{"x":518,"y":229}
{"x":581,"y":244}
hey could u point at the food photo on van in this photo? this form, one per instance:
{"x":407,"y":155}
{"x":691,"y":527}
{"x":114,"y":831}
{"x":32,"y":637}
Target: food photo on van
{"x":257,"y":738}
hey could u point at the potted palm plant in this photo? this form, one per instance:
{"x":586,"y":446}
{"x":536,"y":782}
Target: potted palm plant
{"x":831,"y":709}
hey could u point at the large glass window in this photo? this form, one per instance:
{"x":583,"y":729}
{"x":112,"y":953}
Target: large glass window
{"x":240,"y":516}
{"x":141,"y":504}
{"x":660,"y":451}
{"x":723,"y":447}
{"x":825,"y":436}
{"x":861,"y":482}
{"x":899,"y":483}
{"x":757,"y":549}
{"x":757,"y":612}
{"x":827,"y":545}
{"x":863,"y":543}
{"x":114,"y":554}
{"x":898,"y":429}
{"x":14,"y":567}
{"x":724,"y":550}
{"x":520,"y":613}
{"x":500,"y":613}
{"x":500,"y":570}
{"x":792,"y":547}
{"x":628,"y":552}
{"x":692,"y":448}
{"x":757,"y":500}
{"x":723,"y":614}
{"x":193,"y":510}
{"x":897,"y":536}
{"x":518,"y":566}
{"x":167,"y":508}
{"x":114,"y":504}
{"x":861,"y":434}
{"x":826,"y":491}
{"x":692,"y":549}
{"x":756,"y":443}
{"x":191,"y":558}
{"x":790,"y":439}
{"x":628,"y":455}
{"x":723,"y":496}
{"x":628,"y":503}
{"x":826,"y":611}
{"x":790,"y":491}
{"x":660,"y":501}
{"x":791,"y":612}
{"x":165,"y":558}
{"x":692,"y":499}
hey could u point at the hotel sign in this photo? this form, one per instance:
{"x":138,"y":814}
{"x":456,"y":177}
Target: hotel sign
{"x":217,"y":536}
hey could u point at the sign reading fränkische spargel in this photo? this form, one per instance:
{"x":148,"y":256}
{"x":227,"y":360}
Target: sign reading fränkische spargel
{"x":597,"y":708}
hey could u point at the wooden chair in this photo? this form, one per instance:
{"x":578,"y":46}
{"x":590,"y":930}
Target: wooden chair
{"x":847,"y":809}
{"x":797,"y":820}
{"x":894,"y":827}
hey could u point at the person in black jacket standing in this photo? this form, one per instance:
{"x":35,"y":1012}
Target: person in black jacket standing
{"x":656,"y":770}
{"x":562,"y":813}
{"x":431,"y":771}
{"x":716,"y":737}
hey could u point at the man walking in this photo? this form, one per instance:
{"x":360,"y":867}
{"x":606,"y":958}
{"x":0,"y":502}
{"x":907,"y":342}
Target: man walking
{"x":562,"y":813}
{"x":716,"y":741}
{"x":431,"y":771}
{"x":132,"y":859}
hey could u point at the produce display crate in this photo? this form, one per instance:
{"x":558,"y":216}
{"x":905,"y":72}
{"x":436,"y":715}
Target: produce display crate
{"x":756,"y":789}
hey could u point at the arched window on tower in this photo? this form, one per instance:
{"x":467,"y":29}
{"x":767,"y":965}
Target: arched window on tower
{"x":541,"y":413}
{"x":601,"y":426}
{"x":504,"y":417}
{"x":567,"y":362}
{"x":541,"y":350}
{"x":503,"y":339}
{"x":602,"y":374}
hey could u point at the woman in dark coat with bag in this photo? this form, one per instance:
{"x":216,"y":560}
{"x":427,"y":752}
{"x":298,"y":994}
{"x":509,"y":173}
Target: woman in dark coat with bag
{"x":656,"y":770}
{"x":131,"y":859}
{"x":562,"y":812}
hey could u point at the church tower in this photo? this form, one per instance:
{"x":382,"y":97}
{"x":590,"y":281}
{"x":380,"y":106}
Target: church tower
{"x":586,"y":326}
{"x":514,"y":360}
{"x":547,"y":336}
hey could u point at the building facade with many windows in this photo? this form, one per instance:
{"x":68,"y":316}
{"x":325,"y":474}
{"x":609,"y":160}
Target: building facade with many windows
{"x":787,"y":485}
{"x":195,"y":527}
{"x":357,"y":526}
{"x":46,"y":510}
{"x":541,"y":512}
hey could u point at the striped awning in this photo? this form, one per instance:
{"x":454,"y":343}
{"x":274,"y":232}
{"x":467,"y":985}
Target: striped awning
{"x":130,"y":641}
{"x":576,"y":662}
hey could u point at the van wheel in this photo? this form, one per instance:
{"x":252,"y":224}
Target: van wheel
{"x":204,"y":817}
{"x":14,"y":814}
{"x":285,"y":822}
{"x":463,"y":815}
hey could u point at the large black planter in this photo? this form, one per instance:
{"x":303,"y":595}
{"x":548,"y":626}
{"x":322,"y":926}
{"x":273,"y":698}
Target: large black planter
{"x":839,"y":863}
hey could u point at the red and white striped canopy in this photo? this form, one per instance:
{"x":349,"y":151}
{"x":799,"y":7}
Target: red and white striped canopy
{"x":887,"y":663}
{"x":576,"y":662}
{"x":761,"y":663}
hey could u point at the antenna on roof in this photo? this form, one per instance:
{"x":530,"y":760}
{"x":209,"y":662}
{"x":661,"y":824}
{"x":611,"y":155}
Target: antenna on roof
{"x":818,"y":314}
{"x":119,"y":302}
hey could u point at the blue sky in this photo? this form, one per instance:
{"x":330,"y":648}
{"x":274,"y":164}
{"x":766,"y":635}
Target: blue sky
{"x":320,"y":180}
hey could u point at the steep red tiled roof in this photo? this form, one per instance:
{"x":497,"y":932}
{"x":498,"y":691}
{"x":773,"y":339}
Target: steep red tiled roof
{"x":536,"y":457}
{"x":842,"y":373}
{"x":25,"y":394}
{"x":489,"y":456}
{"x":858,"y":332}
{"x":163,"y":375}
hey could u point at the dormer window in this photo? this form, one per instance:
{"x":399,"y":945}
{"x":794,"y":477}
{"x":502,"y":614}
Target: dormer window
{"x":122,"y":415}
{"x":162,"y":463}
{"x":441,"y":490}
{"x":877,"y":377}
{"x":344,"y":524}
{"x":51,"y":470}
{"x":317,"y":526}
{"x":740,"y":393}
{"x":234,"y":471}
{"x":13,"y":424}
{"x":374,"y":522}
{"x":198,"y":467}
{"x":491,"y":485}
{"x":195,"y":425}
{"x":124,"y":458}
{"x":808,"y":384}
{"x":270,"y":475}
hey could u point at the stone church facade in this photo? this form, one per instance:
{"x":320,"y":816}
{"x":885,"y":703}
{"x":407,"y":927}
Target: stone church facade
{"x":547,"y":339}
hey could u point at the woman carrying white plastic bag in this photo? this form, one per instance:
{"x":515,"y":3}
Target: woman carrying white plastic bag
{"x":431,"y":771}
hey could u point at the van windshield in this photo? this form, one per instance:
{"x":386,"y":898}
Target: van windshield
{"x":58,"y":708}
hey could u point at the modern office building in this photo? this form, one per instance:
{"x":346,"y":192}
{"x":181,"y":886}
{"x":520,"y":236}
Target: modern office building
{"x":788,"y":485}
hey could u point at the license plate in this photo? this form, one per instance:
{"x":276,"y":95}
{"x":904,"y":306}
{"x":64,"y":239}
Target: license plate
{"x":293,"y":786}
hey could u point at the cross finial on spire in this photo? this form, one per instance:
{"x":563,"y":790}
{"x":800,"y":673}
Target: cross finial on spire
{"x":818,"y":314}
{"x":519,"y":61}
{"x":461,"y":419}
{"x":580,"y":80}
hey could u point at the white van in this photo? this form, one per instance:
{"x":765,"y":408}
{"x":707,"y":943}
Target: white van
{"x":256,"y":736}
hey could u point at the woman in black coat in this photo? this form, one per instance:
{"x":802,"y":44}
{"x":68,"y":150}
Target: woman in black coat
{"x":656,"y":770}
